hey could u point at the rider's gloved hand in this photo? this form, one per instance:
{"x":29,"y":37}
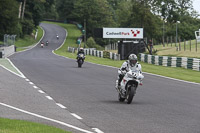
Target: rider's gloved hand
{"x":123,"y":72}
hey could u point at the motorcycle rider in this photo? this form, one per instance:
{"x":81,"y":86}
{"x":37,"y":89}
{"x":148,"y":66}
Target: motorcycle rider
{"x":42,"y":44}
{"x":81,"y":51}
{"x":47,"y":42}
{"x":132,"y":64}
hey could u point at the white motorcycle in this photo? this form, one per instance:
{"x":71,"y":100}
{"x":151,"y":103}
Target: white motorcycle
{"x":42,"y":45}
{"x":129,"y":85}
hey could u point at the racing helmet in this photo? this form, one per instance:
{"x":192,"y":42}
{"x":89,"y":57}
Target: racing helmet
{"x":81,"y":49}
{"x":132,"y":59}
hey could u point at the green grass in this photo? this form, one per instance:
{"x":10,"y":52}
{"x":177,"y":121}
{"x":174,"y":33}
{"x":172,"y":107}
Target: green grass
{"x":178,"y":73}
{"x":28,"y":40}
{"x":73,"y":34}
{"x":171,"y":50}
{"x":22,"y":44}
{"x":6,"y":63}
{"x":20,"y":126}
{"x":1,"y":42}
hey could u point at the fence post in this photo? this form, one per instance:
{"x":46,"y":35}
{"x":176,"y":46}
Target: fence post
{"x":196,"y":45}
{"x":167,"y":41}
{"x":179,"y":44}
{"x":184,"y":44}
{"x":175,"y":41}
{"x":101,"y":54}
{"x":171,"y":41}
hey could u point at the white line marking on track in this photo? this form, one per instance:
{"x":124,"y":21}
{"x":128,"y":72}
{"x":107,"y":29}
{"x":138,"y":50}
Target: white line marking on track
{"x":66,"y":33}
{"x":143,"y":72}
{"x":60,"y":105}
{"x":40,"y":91}
{"x":31,"y":83}
{"x":75,"y":115}
{"x":35,"y":87}
{"x":11,"y":71}
{"x":35,"y":44}
{"x":48,"y":97}
{"x":154,"y":75}
{"x":53,"y":51}
{"x":27,"y":80}
{"x":172,"y":78}
{"x":21,"y":74}
{"x":97,"y":130}
{"x":46,"y":118}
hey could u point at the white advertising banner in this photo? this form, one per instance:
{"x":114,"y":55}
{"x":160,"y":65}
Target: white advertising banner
{"x":134,"y":33}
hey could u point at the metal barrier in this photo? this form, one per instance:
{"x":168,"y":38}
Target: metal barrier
{"x":184,"y":62}
{"x":9,"y":40}
{"x":7,"y":51}
{"x":97,"y":53}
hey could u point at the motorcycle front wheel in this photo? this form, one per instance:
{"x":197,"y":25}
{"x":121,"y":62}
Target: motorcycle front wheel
{"x":130,"y":94}
{"x":80,"y":62}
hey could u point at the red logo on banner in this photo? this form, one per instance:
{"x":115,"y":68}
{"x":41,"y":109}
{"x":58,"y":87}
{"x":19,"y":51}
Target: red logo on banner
{"x":135,"y":33}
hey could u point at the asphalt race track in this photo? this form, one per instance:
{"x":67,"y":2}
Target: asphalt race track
{"x":161,"y":105}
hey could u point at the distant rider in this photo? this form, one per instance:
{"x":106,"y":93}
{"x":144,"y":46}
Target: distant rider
{"x":47,"y":42}
{"x":130,"y":64}
{"x":42,"y":44}
{"x":81,"y":51}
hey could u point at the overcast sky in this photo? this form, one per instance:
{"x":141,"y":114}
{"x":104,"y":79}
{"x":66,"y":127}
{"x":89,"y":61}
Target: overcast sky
{"x":196,"y":5}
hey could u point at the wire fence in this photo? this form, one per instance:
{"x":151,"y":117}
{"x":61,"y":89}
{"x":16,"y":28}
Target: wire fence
{"x":9,"y":40}
{"x":182,"y":45}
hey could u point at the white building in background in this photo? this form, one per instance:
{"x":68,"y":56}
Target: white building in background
{"x":197,"y":35}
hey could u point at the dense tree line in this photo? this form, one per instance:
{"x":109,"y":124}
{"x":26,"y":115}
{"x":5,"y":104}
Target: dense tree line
{"x":157,"y":17}
{"x":21,"y":17}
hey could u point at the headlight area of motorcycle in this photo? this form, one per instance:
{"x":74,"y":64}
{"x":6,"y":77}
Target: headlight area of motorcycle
{"x":131,"y":75}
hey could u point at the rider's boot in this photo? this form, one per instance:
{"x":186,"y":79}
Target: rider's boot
{"x":117,"y":85}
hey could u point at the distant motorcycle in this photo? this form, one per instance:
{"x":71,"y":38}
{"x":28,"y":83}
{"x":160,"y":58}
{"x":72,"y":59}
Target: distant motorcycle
{"x":57,"y":37}
{"x":47,"y":43}
{"x":80,"y":59}
{"x":128,"y":85}
{"x":42,"y":45}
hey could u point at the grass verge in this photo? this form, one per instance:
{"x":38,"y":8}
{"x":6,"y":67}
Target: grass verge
{"x":20,"y":126}
{"x":73,"y":34}
{"x":179,"y":50}
{"x":24,"y":43}
{"x":178,"y":73}
{"x":6,"y":63}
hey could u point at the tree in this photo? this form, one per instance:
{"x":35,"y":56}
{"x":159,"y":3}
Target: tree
{"x":9,"y":17}
{"x":124,"y":7}
{"x":50,"y":10}
{"x":96,"y":13}
{"x":65,"y":9}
